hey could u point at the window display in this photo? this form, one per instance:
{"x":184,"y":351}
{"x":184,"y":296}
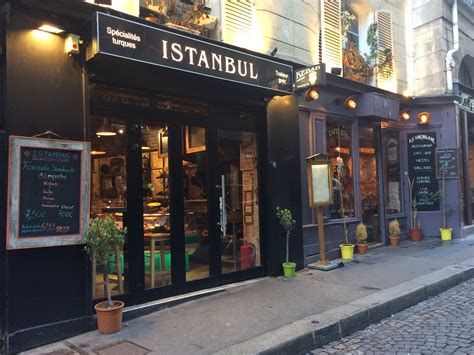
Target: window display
{"x":339,"y":148}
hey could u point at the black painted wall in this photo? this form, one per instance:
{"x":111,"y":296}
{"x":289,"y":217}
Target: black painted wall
{"x":43,"y":92}
{"x":284,"y":186}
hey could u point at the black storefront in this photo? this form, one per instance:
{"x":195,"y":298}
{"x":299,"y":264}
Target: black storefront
{"x":172,"y":120}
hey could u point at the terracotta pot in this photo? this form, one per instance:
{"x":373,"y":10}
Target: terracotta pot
{"x":109,"y":320}
{"x":415,"y":234}
{"x":362,"y":248}
{"x":394,"y":241}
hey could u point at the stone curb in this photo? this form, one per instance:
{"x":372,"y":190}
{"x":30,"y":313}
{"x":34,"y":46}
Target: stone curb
{"x":315,"y":331}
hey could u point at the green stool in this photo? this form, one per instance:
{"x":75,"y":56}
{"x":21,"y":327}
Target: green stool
{"x":113,"y":263}
{"x":157,"y":261}
{"x":168,"y":260}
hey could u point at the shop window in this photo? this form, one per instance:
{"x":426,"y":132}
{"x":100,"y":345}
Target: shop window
{"x":339,"y":148}
{"x":109,"y":193}
{"x":392,"y":179}
{"x":156,"y":210}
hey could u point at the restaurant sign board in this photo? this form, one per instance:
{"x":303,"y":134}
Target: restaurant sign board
{"x":118,"y":37}
{"x":422,"y":169}
{"x":311,"y":76}
{"x":48,"y":195}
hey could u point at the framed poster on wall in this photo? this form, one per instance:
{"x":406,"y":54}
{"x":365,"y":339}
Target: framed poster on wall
{"x":49,"y":192}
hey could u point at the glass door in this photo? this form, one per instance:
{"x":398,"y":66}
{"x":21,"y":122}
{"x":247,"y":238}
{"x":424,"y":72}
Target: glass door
{"x":238,"y":207}
{"x":195,"y":194}
{"x":369,"y":183}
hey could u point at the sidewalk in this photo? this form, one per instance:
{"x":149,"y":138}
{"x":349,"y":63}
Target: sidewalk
{"x":274,"y":315}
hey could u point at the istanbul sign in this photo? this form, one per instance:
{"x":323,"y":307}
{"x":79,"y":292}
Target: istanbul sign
{"x":147,"y":44}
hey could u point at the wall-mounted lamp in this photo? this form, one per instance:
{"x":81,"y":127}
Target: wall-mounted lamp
{"x":274,"y":51}
{"x":50,"y":29}
{"x":312,"y":94}
{"x":106,"y":129}
{"x":424,"y":118}
{"x":405,"y":115}
{"x":350,"y":103}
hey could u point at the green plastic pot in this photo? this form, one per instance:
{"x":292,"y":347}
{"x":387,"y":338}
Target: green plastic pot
{"x":289,"y":269}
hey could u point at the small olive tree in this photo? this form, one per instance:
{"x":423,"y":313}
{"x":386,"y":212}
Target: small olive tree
{"x":288,"y":223}
{"x":102,"y":239}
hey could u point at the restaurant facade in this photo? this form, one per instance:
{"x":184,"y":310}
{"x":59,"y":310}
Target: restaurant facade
{"x":178,"y":137}
{"x":191,"y":144}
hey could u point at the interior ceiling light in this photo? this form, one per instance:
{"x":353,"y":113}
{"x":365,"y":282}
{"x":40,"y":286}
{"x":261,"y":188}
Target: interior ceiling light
{"x":405,"y":115}
{"x":312,"y":94}
{"x":98,"y":152}
{"x":106,"y":129}
{"x":50,"y":29}
{"x":350,"y":103}
{"x":424,"y":118}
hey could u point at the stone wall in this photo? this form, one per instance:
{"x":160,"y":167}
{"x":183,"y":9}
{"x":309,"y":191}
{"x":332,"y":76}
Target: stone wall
{"x":433,"y":38}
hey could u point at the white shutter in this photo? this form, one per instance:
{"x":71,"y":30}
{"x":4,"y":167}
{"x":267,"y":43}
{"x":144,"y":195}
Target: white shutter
{"x":331,"y":34}
{"x":237,"y":22}
{"x":385,"y":73}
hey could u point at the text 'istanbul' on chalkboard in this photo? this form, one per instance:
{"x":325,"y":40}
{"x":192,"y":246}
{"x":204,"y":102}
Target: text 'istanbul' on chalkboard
{"x":422,"y":169}
{"x":50,"y":192}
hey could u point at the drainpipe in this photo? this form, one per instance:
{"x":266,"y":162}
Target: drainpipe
{"x":450,"y":63}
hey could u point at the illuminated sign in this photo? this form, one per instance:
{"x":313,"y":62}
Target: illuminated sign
{"x":130,"y":40}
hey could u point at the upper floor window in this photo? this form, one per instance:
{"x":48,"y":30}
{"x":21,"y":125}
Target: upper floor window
{"x":352,"y":34}
{"x":464,"y":75}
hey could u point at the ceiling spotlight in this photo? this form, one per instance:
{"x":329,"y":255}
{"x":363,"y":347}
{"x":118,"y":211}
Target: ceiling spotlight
{"x":405,"y":115}
{"x":50,"y":29}
{"x":424,"y":118}
{"x":350,"y":103}
{"x":312,"y":94}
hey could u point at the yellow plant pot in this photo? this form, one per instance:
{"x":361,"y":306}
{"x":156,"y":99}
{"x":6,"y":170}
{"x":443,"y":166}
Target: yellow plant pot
{"x":347,"y":251}
{"x":446,"y":233}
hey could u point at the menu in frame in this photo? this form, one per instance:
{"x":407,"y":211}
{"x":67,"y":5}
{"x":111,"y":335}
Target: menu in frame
{"x":48,"y":200}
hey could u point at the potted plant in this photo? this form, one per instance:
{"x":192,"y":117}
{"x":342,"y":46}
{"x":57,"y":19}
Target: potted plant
{"x":415,"y":231}
{"x":394,"y":230}
{"x":347,"y":249}
{"x":287,"y":222}
{"x":361,"y":236}
{"x":102,"y":239}
{"x":188,"y":17}
{"x":446,"y":232}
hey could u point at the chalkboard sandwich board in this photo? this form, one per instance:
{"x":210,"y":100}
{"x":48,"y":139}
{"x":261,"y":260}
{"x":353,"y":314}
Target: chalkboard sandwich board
{"x":447,"y":162}
{"x":48,"y":194}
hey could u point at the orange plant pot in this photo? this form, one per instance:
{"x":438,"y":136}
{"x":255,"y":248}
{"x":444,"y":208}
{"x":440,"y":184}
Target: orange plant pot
{"x":415,"y":234}
{"x":394,"y":241}
{"x":109,"y":320}
{"x":362,"y":248}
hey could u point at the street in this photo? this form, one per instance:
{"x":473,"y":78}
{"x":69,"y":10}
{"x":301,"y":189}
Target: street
{"x":443,"y":324}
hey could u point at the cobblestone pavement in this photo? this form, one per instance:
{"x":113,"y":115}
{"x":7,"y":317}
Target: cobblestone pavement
{"x":443,"y":324}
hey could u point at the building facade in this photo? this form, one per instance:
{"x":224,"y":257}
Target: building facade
{"x":196,"y":136}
